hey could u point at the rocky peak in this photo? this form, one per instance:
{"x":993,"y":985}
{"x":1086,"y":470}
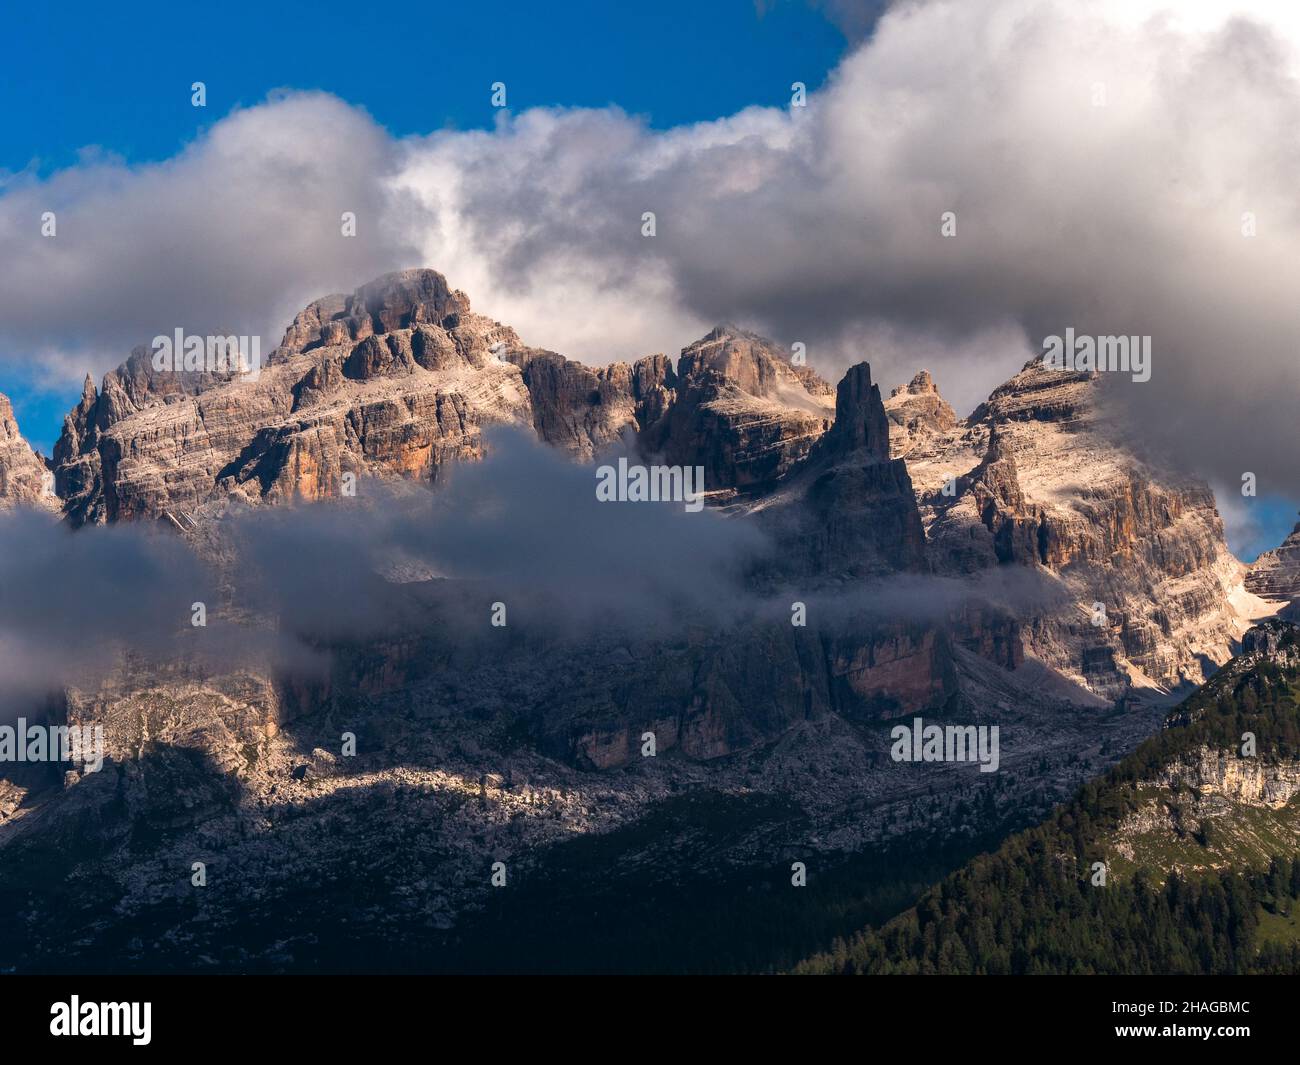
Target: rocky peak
{"x":861,"y":427}
{"x":737,"y":406}
{"x":75,"y":423}
{"x":848,"y":511}
{"x":22,"y":471}
{"x":397,"y":379}
{"x":398,"y":301}
{"x":917,"y":412}
{"x":408,"y":298}
{"x":1036,"y":477}
{"x":755,"y":366}
{"x":921,"y":384}
{"x":1039,"y":393}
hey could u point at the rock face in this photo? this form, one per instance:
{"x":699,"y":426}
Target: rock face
{"x":917,"y":413}
{"x":458,"y":764}
{"x":1275,"y":640}
{"x":1275,"y":575}
{"x":1033,"y":479}
{"x":400,"y":378}
{"x":1218,"y":778}
{"x":583,"y":410}
{"x":739,"y":409}
{"x":23,"y":476}
{"x":848,"y":511}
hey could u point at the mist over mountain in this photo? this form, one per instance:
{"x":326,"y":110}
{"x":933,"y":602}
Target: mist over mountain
{"x":417,"y":606}
{"x":820,"y":508}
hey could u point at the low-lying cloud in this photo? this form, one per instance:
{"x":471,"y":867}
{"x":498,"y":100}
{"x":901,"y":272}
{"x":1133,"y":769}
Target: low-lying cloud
{"x":524,"y":528}
{"x":73,"y":604}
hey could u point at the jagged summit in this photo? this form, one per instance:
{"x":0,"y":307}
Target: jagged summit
{"x":920,"y":384}
{"x":398,"y":379}
{"x":757,"y":367}
{"x":917,"y":412}
{"x":861,"y":424}
{"x":737,"y":406}
{"x":1039,"y":393}
{"x":849,"y":511}
{"x":401,"y":300}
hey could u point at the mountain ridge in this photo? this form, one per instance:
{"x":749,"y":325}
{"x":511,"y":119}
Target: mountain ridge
{"x":882,"y":598}
{"x":401,"y":377}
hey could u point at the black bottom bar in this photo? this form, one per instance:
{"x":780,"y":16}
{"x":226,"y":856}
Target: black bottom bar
{"x":341,"y":1014}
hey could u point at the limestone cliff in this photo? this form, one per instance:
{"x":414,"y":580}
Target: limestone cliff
{"x":1035,"y":478}
{"x":398,"y":379}
{"x":24,"y":480}
{"x":848,"y":510}
{"x":1275,"y":575}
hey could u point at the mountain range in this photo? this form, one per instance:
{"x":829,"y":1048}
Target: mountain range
{"x":1023,"y":567}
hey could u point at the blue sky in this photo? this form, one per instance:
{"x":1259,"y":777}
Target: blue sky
{"x":83,"y":77}
{"x":80,"y":74}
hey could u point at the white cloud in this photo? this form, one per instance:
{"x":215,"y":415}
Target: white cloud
{"x":239,"y":230}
